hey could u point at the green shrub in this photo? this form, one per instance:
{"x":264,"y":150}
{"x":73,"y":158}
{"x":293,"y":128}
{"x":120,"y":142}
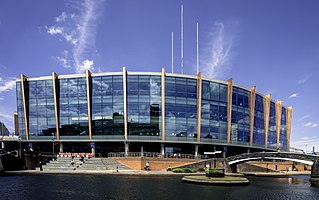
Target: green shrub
{"x":215,"y":172}
{"x":184,"y":170}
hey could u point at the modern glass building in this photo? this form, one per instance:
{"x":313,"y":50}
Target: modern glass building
{"x":129,"y":111}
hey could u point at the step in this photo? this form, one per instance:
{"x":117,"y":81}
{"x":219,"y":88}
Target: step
{"x":59,"y":168}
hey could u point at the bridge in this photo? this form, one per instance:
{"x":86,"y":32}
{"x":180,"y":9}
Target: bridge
{"x":287,"y":156}
{"x":3,"y":153}
{"x":307,"y":159}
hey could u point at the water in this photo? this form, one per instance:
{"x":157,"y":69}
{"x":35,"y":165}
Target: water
{"x":148,"y":187}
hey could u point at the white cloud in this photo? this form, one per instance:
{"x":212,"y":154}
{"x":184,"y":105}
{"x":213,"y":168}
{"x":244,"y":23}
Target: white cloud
{"x":1,"y":98}
{"x":219,"y":50}
{"x":303,"y":118}
{"x":86,"y":64}
{"x":6,"y":116}
{"x":6,"y":85}
{"x":294,"y":95}
{"x":54,"y":30}
{"x":87,"y":33}
{"x":64,"y":59}
{"x":79,"y":30}
{"x":61,"y":18}
{"x":304,"y":80}
{"x":306,"y":143}
{"x":311,"y":125}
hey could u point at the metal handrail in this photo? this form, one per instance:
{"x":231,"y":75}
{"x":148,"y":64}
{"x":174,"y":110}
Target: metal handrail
{"x":100,"y":156}
{"x":273,"y":154}
{"x":13,"y":153}
{"x":155,"y":155}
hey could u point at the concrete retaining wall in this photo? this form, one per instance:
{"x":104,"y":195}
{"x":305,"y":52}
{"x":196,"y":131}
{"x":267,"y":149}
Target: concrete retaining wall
{"x":138,"y":163}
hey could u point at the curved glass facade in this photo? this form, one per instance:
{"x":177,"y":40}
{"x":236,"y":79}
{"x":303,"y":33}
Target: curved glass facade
{"x":41,"y":108}
{"x":259,"y":122}
{"x":180,"y":108}
{"x":214,"y":112}
{"x":132,"y":108}
{"x":73,"y":107}
{"x":144,"y":106}
{"x":272,"y":135}
{"x":240,"y":124}
{"x":107,"y":107}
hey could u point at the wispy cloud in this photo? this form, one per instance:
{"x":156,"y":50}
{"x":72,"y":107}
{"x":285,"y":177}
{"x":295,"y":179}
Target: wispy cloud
{"x":64,"y":59}
{"x":304,"y":80}
{"x":7,"y":84}
{"x":303,"y":118}
{"x":307,"y":142}
{"x":61,"y":18}
{"x":219,"y":49}
{"x":293,"y":95}
{"x":311,"y":125}
{"x":7,"y":87}
{"x":79,"y":30}
{"x":6,"y":116}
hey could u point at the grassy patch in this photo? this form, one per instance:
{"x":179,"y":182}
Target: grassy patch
{"x":184,"y":170}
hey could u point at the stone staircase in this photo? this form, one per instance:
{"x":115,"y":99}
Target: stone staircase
{"x":89,"y":164}
{"x":61,"y":164}
{"x":102,"y":164}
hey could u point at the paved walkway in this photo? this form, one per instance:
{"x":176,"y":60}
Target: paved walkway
{"x":126,"y":172}
{"x":142,"y":172}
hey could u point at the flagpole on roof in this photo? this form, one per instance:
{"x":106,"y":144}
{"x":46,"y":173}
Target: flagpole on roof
{"x":172,"y":52}
{"x":182,"y":39}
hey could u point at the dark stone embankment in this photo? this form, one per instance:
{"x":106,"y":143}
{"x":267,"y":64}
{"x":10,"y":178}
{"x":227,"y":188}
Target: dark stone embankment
{"x":227,"y":180}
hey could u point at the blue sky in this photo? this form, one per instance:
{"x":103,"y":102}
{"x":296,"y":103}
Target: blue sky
{"x":272,"y":44}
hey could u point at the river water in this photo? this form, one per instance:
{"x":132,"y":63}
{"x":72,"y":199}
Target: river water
{"x":88,"y":187}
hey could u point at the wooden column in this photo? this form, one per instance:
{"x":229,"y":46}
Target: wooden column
{"x":288,"y":124}
{"x":252,"y":102}
{"x":278,"y":121}
{"x":229,"y":106}
{"x":163,"y":103}
{"x":56,"y":106}
{"x":16,"y":124}
{"x":199,"y":104}
{"x":23,"y":79}
{"x":266,"y":116}
{"x":125,"y":102}
{"x":88,"y":97}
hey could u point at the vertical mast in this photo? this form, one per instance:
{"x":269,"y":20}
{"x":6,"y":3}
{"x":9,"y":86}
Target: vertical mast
{"x":172,"y":52}
{"x":182,"y":40}
{"x":197,"y":60}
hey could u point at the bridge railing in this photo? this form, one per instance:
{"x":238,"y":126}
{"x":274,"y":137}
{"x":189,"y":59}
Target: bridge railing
{"x":273,"y":154}
{"x":155,"y":155}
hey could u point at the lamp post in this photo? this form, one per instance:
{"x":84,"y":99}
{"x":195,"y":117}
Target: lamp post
{"x":20,"y":148}
{"x":52,"y":142}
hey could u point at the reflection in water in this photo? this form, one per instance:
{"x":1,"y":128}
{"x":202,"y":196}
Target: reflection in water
{"x":292,"y":180}
{"x":149,"y":187}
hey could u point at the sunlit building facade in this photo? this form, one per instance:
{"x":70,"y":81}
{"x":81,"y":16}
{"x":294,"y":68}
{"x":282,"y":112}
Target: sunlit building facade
{"x":158,"y":111}
{"x":3,"y":130}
